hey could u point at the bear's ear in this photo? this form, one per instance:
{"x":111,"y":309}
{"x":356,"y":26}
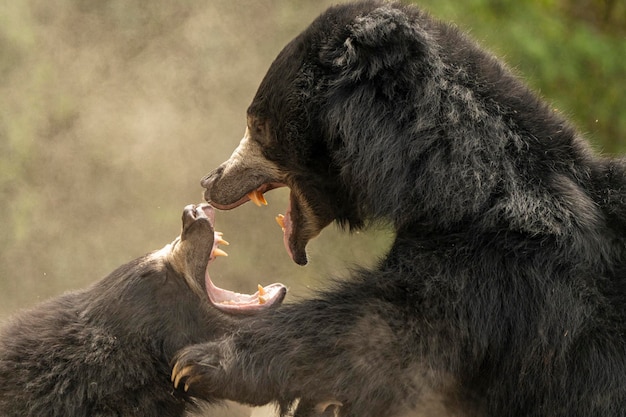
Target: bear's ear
{"x":382,"y":39}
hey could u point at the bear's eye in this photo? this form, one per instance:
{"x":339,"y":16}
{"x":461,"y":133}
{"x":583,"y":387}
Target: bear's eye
{"x":256,"y":127}
{"x":259,"y":130}
{"x":259,"y":127}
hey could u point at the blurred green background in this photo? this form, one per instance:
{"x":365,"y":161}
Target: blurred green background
{"x":112,"y":111}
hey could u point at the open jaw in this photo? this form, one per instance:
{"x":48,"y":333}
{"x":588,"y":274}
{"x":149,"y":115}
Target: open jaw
{"x":230,"y":301}
{"x":297,"y":224}
{"x":296,"y":231}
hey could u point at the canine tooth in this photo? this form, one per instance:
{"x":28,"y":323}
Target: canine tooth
{"x":219,"y":252}
{"x":280,"y":219}
{"x":261,"y":289}
{"x":219,"y":239}
{"x":257,"y":198}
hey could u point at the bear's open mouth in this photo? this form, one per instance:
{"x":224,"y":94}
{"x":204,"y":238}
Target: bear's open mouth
{"x":293,"y":244}
{"x":291,"y":222}
{"x":283,"y":220}
{"x":230,"y":301}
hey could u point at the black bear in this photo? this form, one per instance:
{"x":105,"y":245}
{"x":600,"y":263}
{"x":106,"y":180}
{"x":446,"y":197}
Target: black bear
{"x":106,"y":350}
{"x":504,"y":292}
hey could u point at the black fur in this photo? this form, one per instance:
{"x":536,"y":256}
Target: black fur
{"x":106,"y":350}
{"x":504,"y":293}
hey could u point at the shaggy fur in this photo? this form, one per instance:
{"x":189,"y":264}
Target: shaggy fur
{"x":504,"y":293}
{"x":106,"y":350}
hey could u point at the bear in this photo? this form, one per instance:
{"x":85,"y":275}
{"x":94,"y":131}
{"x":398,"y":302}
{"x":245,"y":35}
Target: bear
{"x":504,"y":290}
{"x":106,"y":350}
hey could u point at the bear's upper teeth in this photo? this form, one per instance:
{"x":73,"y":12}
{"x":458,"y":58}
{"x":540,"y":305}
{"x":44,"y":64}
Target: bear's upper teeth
{"x":257,"y":198}
{"x":219,"y":240}
{"x":218,"y":252}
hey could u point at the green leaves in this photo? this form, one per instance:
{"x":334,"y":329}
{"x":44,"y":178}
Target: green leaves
{"x":565,"y":49}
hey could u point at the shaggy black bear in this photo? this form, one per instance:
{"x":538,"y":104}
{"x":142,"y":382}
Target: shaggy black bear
{"x":106,"y":350}
{"x":504,"y":292}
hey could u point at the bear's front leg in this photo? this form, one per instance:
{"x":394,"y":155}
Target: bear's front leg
{"x":206,"y":370}
{"x":334,"y":353}
{"x":269,"y":358}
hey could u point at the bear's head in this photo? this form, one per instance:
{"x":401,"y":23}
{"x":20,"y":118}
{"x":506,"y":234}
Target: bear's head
{"x":195,"y":249}
{"x":379,"y":112}
{"x":314,"y":124}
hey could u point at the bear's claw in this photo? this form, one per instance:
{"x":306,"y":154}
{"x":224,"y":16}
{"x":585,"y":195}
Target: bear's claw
{"x":178,"y":373}
{"x":198,"y":366}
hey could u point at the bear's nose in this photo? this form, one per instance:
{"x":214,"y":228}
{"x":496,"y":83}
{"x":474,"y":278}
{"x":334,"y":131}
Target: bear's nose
{"x":210,"y":178}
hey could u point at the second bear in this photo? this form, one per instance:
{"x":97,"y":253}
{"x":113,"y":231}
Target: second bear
{"x":106,"y":350}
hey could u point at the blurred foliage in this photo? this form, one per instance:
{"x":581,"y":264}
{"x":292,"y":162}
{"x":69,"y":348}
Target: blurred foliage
{"x":111,"y":112}
{"x":571,"y":51}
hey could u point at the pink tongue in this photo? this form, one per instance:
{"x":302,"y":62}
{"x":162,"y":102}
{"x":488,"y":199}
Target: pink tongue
{"x":287,"y":230}
{"x":237,"y":303}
